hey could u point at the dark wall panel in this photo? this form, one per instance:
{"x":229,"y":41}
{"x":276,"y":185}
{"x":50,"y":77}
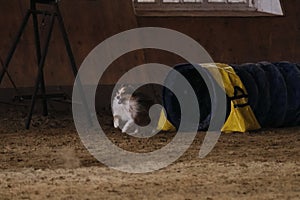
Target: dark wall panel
{"x":238,"y":40}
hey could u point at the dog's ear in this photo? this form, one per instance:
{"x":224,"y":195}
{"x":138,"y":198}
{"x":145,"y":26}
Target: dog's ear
{"x":129,"y":88}
{"x":126,"y":85}
{"x":122,"y":85}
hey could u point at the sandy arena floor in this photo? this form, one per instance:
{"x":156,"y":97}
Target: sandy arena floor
{"x":49,"y":162}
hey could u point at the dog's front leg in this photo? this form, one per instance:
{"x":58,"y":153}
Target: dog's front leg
{"x":128,"y":124}
{"x":116,"y":121}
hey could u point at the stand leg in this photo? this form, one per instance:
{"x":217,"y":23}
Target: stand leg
{"x":14,"y":46}
{"x":72,"y":60}
{"x":38,"y":55}
{"x":9,"y":77}
{"x":40,"y":72}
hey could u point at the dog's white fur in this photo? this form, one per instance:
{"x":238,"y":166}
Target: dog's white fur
{"x":122,"y":110}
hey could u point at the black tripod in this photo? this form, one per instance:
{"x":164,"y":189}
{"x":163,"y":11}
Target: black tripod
{"x":42,"y":53}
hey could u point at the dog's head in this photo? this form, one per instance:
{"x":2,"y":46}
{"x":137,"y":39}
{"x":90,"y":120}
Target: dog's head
{"x":123,"y":93}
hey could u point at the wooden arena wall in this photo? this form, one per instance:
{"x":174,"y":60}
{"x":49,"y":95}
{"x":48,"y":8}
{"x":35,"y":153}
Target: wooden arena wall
{"x":89,"y":22}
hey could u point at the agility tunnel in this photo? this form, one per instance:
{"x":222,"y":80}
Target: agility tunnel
{"x":258,"y":95}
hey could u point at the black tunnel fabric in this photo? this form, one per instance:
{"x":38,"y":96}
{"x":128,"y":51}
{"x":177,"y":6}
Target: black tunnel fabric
{"x":291,"y":75}
{"x":278,"y":94}
{"x":171,"y":103}
{"x":273,"y":89}
{"x":262,"y":107}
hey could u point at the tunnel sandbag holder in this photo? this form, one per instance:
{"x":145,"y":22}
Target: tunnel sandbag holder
{"x":41,"y":53}
{"x":241,"y":117}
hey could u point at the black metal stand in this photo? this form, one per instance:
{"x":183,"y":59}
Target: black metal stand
{"x":42,"y":53}
{"x":8,"y":75}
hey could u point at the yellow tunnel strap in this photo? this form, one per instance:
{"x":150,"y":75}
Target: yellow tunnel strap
{"x":241,"y":117}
